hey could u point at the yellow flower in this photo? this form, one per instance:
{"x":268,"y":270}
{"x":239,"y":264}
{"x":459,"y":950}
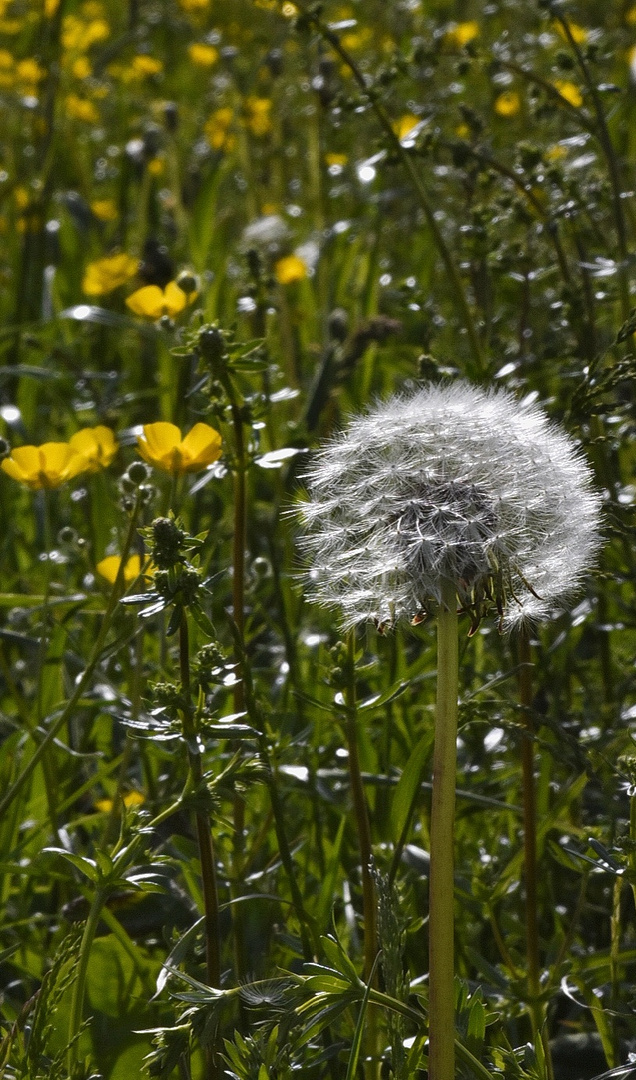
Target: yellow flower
{"x":259,"y":119}
{"x":579,"y":33}
{"x":145,"y":65}
{"x":289,"y":10}
{"x":555,"y":153}
{"x":203,"y":55}
{"x":217,"y":129}
{"x":339,"y":160}
{"x":459,"y":35}
{"x":405,"y":124}
{"x":192,"y":6}
{"x":630,"y":16}
{"x":157,"y":166}
{"x":462,"y":131}
{"x":29,"y":72}
{"x":155,"y":302}
{"x":78,"y":108}
{"x":50,"y":7}
{"x":46,"y":466}
{"x":108,"y":568}
{"x":161,"y":445}
{"x":569,"y":91}
{"x":105,"y":209}
{"x":97,"y":446}
{"x":131,"y":798}
{"x":507,"y":104}
{"x":289,"y":269}
{"x":104,"y":275}
{"x":78,"y":36}
{"x":82,"y":68}
{"x":356,"y":39}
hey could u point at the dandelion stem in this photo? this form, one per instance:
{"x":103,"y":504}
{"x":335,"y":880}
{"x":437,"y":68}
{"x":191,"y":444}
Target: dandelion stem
{"x":441,"y":1065}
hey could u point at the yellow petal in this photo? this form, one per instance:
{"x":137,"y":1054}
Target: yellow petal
{"x":200,"y":447}
{"x":109,"y":567}
{"x":23,"y":465}
{"x":97,"y":446}
{"x":174,"y":298}
{"x":104,"y":805}
{"x":161,"y":445}
{"x":132,"y":569}
{"x":133,"y":798}
{"x":148,"y":301}
{"x":60,"y":462}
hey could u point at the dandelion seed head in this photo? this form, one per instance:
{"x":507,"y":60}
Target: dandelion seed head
{"x":451,"y":482}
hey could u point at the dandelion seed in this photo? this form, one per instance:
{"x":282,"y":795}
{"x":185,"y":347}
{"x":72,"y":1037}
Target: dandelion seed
{"x":450,"y":483}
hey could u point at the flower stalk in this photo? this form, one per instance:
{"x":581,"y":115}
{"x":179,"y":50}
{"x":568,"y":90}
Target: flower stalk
{"x":441,"y":1064}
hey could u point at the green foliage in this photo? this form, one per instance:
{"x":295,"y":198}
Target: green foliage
{"x":352,"y":198}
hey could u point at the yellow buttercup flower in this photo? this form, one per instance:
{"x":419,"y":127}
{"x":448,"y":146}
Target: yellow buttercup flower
{"x":43,"y":467}
{"x":78,"y":36}
{"x":569,"y":91}
{"x":78,"y":108}
{"x":131,"y":798}
{"x":155,"y":302}
{"x":145,"y":65}
{"x":258,"y":119}
{"x":29,"y":72}
{"x":192,"y":6}
{"x":104,"y":275}
{"x":579,"y":33}
{"x":405,"y":125}
{"x":161,"y":445}
{"x":507,"y":104}
{"x":217,"y":129}
{"x":108,"y":568}
{"x":97,"y":446}
{"x":82,"y":68}
{"x":203,"y":55}
{"x":289,"y":269}
{"x":105,"y":209}
{"x":336,"y":160}
{"x":459,"y":35}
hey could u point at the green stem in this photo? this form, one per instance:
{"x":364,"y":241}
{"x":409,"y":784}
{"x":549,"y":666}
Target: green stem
{"x":369,"y":902}
{"x":83,"y":682}
{"x":441,"y":1063}
{"x":79,"y":987}
{"x":361,"y":812}
{"x":529,"y":829}
{"x":206,"y":852}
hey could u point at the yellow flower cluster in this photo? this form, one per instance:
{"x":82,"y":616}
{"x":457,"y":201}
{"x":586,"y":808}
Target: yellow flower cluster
{"x":53,"y":463}
{"x":48,"y":466}
{"x":155,"y":302}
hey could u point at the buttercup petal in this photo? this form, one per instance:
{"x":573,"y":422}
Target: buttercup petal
{"x":60,"y":462}
{"x":174,"y":298}
{"x":148,"y":301}
{"x":24,"y":463}
{"x":201,"y":446}
{"x":109,"y":567}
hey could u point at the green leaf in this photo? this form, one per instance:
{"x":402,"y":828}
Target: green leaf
{"x":408,"y":785}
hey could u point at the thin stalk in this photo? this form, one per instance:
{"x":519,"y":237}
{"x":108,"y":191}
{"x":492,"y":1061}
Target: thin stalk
{"x":83,"y":682}
{"x":441,"y":1062}
{"x":79,"y":987}
{"x":529,"y":828}
{"x":369,"y":900}
{"x":206,"y":852}
{"x":238,"y":611}
{"x":369,"y":905}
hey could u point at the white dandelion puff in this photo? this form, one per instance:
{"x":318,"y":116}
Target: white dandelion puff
{"x":449,"y":483}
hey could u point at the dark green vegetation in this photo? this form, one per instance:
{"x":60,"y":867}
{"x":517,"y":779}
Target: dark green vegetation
{"x":363,"y":195}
